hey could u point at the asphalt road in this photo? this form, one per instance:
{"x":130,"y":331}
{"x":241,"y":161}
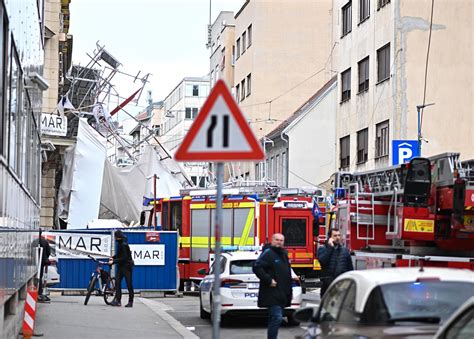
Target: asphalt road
{"x":186,"y":311}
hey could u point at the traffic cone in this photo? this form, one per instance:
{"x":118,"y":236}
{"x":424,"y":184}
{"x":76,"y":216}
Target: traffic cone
{"x":30,"y":311}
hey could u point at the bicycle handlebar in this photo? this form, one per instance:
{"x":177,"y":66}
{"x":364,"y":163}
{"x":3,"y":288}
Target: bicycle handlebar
{"x":98,"y":261}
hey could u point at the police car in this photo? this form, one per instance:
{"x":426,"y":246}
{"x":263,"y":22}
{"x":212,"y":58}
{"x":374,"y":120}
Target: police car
{"x":239,"y":287}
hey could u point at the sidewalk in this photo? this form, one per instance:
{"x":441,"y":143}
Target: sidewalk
{"x":68,"y":317}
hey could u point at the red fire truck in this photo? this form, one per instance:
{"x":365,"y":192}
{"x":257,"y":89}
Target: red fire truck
{"x":251,"y":215}
{"x":420,"y":212}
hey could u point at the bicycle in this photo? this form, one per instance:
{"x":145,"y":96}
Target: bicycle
{"x":106,"y":283}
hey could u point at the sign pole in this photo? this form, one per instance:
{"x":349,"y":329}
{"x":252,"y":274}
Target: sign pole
{"x":216,"y":310}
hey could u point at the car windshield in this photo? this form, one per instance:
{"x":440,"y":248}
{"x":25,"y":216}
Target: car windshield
{"x":241,"y":266}
{"x":417,"y":301}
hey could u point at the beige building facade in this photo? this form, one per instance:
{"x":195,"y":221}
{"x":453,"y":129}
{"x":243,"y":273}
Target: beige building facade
{"x":221,"y":46}
{"x":380,"y":58}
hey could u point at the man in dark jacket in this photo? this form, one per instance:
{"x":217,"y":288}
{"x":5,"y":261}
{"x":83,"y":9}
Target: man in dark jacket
{"x":335,"y":259}
{"x":275,"y":291}
{"x":124,"y":262}
{"x":42,"y":242}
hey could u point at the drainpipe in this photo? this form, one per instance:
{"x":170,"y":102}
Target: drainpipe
{"x":287,"y":141}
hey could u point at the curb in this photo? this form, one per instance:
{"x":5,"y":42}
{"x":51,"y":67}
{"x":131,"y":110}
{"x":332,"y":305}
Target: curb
{"x":160,"y":309}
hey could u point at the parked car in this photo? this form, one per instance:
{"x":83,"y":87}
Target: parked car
{"x":239,"y":288}
{"x":389,"y":302}
{"x":51,"y":274}
{"x":461,"y":324}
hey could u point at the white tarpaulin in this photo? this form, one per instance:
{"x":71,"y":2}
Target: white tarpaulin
{"x":79,"y":194}
{"x":123,"y":188}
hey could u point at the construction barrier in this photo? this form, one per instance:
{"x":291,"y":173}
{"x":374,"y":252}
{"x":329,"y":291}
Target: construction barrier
{"x":155,"y":254}
{"x":30,"y":312}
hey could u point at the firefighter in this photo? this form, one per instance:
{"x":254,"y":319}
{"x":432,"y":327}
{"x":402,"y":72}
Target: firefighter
{"x":335,"y":259}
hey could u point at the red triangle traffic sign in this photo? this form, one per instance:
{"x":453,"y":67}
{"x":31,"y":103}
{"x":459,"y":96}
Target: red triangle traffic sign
{"x":220,"y":132}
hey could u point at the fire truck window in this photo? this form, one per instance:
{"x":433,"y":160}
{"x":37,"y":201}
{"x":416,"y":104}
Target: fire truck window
{"x":294,"y":231}
{"x":200,"y":224}
{"x":176,"y":216}
{"x":164,"y":216}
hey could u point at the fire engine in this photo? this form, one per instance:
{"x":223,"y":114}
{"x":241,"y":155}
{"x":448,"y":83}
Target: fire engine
{"x":252,"y":213}
{"x":421,"y":212}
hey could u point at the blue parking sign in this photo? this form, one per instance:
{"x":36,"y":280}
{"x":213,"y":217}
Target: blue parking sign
{"x":403,"y":151}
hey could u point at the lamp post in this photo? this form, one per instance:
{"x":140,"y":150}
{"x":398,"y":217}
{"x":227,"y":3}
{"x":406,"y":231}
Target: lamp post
{"x":420,"y":137}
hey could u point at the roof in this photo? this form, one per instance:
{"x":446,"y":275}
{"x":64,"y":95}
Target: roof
{"x":367,"y":280}
{"x":301,"y":110}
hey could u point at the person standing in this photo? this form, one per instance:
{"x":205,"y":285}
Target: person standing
{"x":275,"y":292}
{"x":44,"y":244}
{"x":124,"y":262}
{"x":335,"y":259}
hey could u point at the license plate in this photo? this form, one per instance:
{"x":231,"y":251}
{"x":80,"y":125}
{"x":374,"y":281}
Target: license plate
{"x":253,"y":285}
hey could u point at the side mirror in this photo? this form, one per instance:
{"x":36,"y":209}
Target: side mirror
{"x":304,"y":315}
{"x":203,"y":271}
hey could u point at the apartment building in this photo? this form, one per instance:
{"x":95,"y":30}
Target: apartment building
{"x":180,"y":108}
{"x":381,"y":57}
{"x":222,"y":49}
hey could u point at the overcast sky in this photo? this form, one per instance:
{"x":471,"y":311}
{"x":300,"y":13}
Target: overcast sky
{"x":163,"y":37}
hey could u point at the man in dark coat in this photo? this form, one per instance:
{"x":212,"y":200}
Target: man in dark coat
{"x":42,"y":242}
{"x":335,"y":259}
{"x":124,"y":262}
{"x":275,"y":291}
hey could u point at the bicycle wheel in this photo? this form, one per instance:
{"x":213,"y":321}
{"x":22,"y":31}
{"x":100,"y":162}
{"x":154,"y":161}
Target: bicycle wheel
{"x":109,"y":291}
{"x":90,"y":288}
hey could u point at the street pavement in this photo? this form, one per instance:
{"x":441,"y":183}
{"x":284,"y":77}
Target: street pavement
{"x":169,"y":317}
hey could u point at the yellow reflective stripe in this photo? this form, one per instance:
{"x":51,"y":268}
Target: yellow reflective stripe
{"x":300,"y":255}
{"x":248,"y":226}
{"x":202,"y":206}
{"x":301,"y":265}
{"x":203,"y":242}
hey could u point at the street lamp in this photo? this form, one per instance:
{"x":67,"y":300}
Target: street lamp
{"x":420,"y":137}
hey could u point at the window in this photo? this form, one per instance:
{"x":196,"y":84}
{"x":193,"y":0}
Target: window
{"x":249,"y":36}
{"x":364,"y":10}
{"x":223,"y":59}
{"x":233,"y":55}
{"x":244,"y":42}
{"x":346,"y":85}
{"x":277,"y":175}
{"x":242,"y":89}
{"x":383,"y":63}
{"x":462,"y":327}
{"x":364,"y":75}
{"x":191,"y":113}
{"x":345,"y":151}
{"x":332,"y":301}
{"x":249,"y":84}
{"x":362,"y":145}
{"x":294,"y":230}
{"x":348,"y":313}
{"x":237,"y":93}
{"x":347,"y":18}
{"x":195,"y":90}
{"x":381,"y":3}
{"x":381,"y":139}
{"x":238,"y":48}
{"x":241,"y":266}
{"x":257,"y":172}
{"x":223,"y":263}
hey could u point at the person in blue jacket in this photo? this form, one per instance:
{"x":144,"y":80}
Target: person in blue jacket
{"x":334,"y":258}
{"x":275,"y":292}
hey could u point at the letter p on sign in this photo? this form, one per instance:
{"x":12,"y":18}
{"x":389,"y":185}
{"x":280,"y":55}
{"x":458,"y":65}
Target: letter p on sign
{"x":403,"y":151}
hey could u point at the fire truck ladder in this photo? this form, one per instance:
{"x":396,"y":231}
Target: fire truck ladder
{"x":364,"y":214}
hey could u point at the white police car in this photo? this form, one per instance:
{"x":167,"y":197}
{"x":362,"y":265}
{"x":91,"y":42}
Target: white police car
{"x":239,"y":288}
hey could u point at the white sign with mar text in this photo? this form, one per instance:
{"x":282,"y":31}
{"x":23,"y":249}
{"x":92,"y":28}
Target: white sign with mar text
{"x":52,"y":124}
{"x":80,"y":245}
{"x":150,"y":255}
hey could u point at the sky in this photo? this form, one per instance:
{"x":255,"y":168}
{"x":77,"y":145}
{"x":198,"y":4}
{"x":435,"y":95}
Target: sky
{"x":163,"y":37}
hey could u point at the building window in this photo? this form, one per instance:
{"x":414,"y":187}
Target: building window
{"x":347,"y":18}
{"x":195,"y":90}
{"x":257,"y":172}
{"x":381,"y":3}
{"x":249,"y":36}
{"x":237,"y":93}
{"x":233,"y":55}
{"x":381,"y":139}
{"x":364,"y":10}
{"x":362,"y":146}
{"x":238,"y":48}
{"x":345,"y":151}
{"x":249,"y":84}
{"x":364,"y":75}
{"x":244,"y":42}
{"x":383,"y":63}
{"x":223,"y":59}
{"x":346,"y":85}
{"x":191,"y":112}
{"x":242,"y":88}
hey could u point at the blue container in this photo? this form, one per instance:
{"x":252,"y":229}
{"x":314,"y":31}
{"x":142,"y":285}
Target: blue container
{"x":156,"y":262}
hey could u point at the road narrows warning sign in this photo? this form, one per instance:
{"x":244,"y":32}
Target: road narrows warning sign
{"x":220,"y":132}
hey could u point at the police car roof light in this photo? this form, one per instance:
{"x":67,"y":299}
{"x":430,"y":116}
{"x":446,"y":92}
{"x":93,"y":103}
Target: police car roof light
{"x":230,"y":248}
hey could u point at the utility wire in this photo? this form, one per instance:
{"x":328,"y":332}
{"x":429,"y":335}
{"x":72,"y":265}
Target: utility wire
{"x":426,"y":64}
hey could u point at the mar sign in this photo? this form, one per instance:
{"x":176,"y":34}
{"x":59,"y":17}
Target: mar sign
{"x":403,"y":151}
{"x":220,"y":132}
